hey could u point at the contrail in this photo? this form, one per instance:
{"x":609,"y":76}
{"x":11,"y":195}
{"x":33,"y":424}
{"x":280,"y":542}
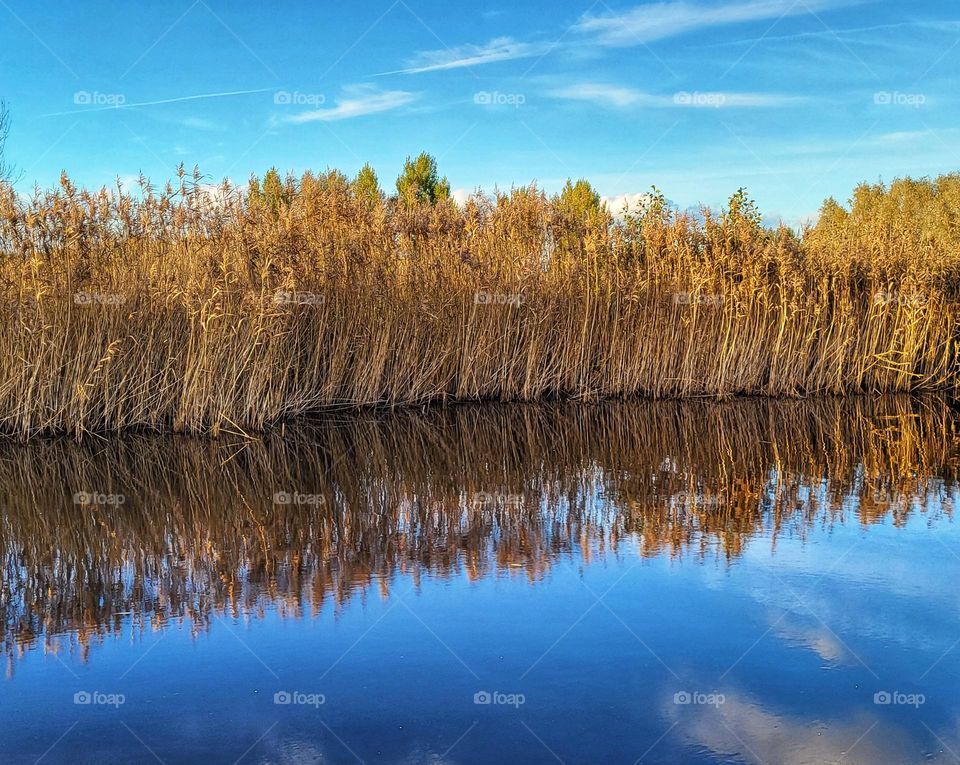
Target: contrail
{"x":160,"y":101}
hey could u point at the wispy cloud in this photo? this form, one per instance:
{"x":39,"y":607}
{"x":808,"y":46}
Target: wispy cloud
{"x":499,"y":49}
{"x":657,"y":21}
{"x":616,"y":96}
{"x":604,"y":95}
{"x":936,"y":138}
{"x":200,"y":123}
{"x":947,"y":27}
{"x":360,"y":101}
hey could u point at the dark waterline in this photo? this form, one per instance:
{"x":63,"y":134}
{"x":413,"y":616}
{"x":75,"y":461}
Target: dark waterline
{"x":746,"y":582}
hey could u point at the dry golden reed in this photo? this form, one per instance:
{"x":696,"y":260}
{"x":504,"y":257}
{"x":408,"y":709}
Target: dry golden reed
{"x":188,"y":308}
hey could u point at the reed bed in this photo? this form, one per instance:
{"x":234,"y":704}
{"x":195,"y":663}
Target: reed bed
{"x":198,"y":309}
{"x":467,"y":491}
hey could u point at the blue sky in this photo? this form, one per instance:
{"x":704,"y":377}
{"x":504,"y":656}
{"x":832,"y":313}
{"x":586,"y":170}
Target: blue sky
{"x":794,"y":99}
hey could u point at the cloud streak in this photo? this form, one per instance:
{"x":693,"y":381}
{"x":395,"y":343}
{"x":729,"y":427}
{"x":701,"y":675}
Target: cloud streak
{"x":362,"y":101}
{"x":499,"y":49}
{"x":618,"y":97}
{"x":658,"y":21}
{"x":947,"y":27}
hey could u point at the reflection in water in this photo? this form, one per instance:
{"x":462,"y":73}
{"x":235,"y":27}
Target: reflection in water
{"x":313,"y":515}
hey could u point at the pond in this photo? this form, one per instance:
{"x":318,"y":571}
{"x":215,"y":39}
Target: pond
{"x":742,"y":582}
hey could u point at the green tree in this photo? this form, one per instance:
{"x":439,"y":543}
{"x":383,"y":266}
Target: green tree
{"x":420,"y":181}
{"x":254,"y":192}
{"x":741,"y":208}
{"x":578,"y":200}
{"x":366,"y":186}
{"x":273,"y":192}
{"x":335,"y":181}
{"x":832,"y":215}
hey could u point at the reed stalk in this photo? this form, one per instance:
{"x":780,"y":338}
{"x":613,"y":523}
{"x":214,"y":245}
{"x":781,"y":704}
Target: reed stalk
{"x":204,"y":310}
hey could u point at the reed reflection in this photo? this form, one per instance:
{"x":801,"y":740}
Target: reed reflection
{"x":181,"y":529}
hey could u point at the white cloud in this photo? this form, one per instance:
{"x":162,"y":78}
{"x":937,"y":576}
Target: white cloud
{"x":950,"y":27}
{"x":657,"y":21}
{"x":728,"y":100}
{"x":499,"y":49}
{"x":200,"y":123}
{"x":129,"y":181}
{"x":361,"y":100}
{"x":460,"y":196}
{"x":904,"y":136}
{"x":630,"y":202}
{"x":604,"y":95}
{"x":622,"y":97}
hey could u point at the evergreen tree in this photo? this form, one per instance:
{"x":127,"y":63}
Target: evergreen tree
{"x":275,"y":193}
{"x":365,"y":186}
{"x":578,"y":200}
{"x":420,"y":181}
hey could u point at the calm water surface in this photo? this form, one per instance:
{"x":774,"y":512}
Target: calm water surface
{"x":748,"y":582}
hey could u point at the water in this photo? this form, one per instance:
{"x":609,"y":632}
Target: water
{"x":657,"y":582}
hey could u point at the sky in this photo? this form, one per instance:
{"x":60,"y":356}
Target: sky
{"x":796,"y":100}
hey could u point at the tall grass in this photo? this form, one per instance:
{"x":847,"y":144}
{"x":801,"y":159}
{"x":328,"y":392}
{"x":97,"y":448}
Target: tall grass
{"x":202,"y":310}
